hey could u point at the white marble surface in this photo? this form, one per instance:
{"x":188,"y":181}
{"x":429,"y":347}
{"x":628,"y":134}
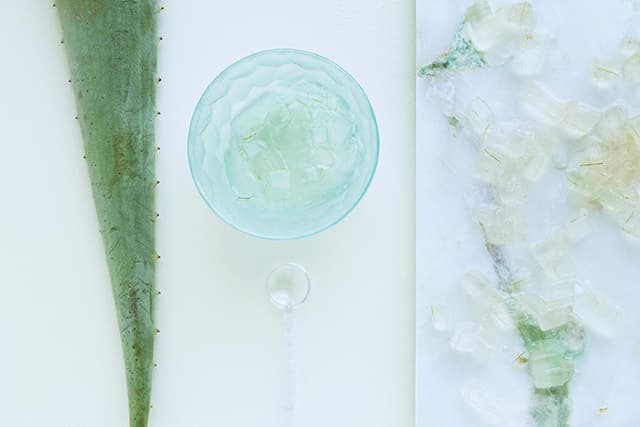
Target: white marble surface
{"x":449,"y":243}
{"x":218,"y":352}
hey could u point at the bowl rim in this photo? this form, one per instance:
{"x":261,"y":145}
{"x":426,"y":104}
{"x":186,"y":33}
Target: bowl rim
{"x":283,"y":236}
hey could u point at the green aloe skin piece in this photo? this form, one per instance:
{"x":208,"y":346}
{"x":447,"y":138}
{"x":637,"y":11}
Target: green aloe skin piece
{"x":551,"y":357}
{"x":461,"y":55}
{"x":552,"y":353}
{"x":112,"y":51}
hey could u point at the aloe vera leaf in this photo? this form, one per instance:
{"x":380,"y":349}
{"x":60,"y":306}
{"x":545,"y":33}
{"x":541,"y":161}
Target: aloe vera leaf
{"x":112,"y":51}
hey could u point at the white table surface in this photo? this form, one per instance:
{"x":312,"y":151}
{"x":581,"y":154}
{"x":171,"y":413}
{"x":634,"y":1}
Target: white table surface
{"x":218,"y":352}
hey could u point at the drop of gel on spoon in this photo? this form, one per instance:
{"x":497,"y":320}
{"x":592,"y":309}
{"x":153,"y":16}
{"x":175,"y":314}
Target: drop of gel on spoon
{"x":288,"y":286}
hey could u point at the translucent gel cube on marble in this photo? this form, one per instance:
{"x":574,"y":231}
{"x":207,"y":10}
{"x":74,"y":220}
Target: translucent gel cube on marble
{"x":471,"y":337}
{"x":441,"y":317}
{"x":488,"y":405}
{"x":500,"y":36}
{"x":605,"y":74}
{"x":548,"y":363}
{"x":541,"y":105}
{"x":631,"y":69}
{"x":500,"y":224}
{"x":479,"y":118}
{"x":480,"y":289}
{"x":498,"y":316}
{"x":490,"y":299}
{"x":546,"y":315}
{"x":578,"y":119}
{"x":550,"y":305}
{"x":551,"y":251}
{"x":629,"y":46}
{"x":599,"y":314}
{"x":528,"y":61}
{"x":508,"y":158}
{"x":579,"y":225}
{"x":489,"y":32}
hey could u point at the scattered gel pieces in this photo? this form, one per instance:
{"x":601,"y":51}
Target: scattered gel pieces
{"x":499,"y":35}
{"x":572,"y":119}
{"x":599,"y":154}
{"x":608,"y":171}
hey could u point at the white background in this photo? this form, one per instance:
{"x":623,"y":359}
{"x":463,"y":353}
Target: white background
{"x":218,"y":352}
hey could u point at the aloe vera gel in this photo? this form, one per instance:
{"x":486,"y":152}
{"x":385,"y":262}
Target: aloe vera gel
{"x":283,"y":144}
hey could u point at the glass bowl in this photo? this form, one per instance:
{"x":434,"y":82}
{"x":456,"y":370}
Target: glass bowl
{"x":283,"y":144}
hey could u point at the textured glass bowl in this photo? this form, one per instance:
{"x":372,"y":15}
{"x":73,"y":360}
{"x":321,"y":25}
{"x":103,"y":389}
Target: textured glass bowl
{"x":283,"y":144}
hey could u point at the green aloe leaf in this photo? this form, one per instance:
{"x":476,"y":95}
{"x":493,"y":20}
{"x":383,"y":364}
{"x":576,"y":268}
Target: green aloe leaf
{"x":112,"y":51}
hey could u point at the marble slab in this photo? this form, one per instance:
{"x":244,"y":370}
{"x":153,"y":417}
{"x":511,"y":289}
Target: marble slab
{"x":471,"y":369}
